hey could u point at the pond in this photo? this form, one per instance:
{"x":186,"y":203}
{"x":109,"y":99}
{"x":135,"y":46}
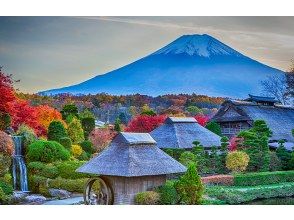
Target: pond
{"x":273,"y":201}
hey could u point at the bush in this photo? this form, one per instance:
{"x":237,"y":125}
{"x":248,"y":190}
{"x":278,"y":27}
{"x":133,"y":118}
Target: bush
{"x":147,"y":198}
{"x":4,"y":199}
{"x":42,"y":169}
{"x":174,"y":153}
{"x":7,"y":178}
{"x":67,"y":169}
{"x":6,"y":144}
{"x":76,"y":150}
{"x":76,"y":185}
{"x":65,"y":142}
{"x":75,"y":131}
{"x":87,"y":146}
{"x":275,"y":162}
{"x":56,"y":131}
{"x":189,"y":186}
{"x":284,"y":155}
{"x":168,"y":194}
{"x":35,"y":168}
{"x":218,"y":180}
{"x":5,"y":163}
{"x":84,"y":156}
{"x":7,"y":188}
{"x":69,"y":110}
{"x":186,"y":158}
{"x":28,"y":135}
{"x":214,"y":127}
{"x":47,"y":152}
{"x":88,"y":125}
{"x":263,"y":178}
{"x":237,"y":195}
{"x":237,"y":161}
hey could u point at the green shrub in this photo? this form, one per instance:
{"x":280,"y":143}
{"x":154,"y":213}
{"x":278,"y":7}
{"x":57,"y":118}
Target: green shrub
{"x":168,"y":194}
{"x":88,"y":147}
{"x":36,"y":182}
{"x":56,"y":131}
{"x":186,"y":158}
{"x":4,"y":199}
{"x":284,"y":155}
{"x":7,"y":178}
{"x":7,"y":188}
{"x":147,"y":198}
{"x":214,"y":127}
{"x":190,"y":187}
{"x":49,"y":171}
{"x":275,"y":162}
{"x":67,"y":169}
{"x":76,"y":185}
{"x":88,"y":125}
{"x":42,"y":169}
{"x":47,"y":152}
{"x":174,"y":153}
{"x":35,"y":168}
{"x":237,"y":195}
{"x":237,"y":161}
{"x":66,"y":142}
{"x":84,"y":156}
{"x":5,"y":163}
{"x":263,"y":178}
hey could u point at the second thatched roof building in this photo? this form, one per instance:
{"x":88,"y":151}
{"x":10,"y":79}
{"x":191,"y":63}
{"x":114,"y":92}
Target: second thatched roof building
{"x":181,"y":132}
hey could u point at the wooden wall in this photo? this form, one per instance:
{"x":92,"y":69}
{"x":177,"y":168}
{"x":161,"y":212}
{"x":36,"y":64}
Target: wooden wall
{"x":126,"y":188}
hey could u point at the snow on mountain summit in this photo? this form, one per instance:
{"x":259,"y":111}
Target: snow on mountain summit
{"x":200,"y":45}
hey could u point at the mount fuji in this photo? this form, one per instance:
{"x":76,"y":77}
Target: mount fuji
{"x":191,"y":64}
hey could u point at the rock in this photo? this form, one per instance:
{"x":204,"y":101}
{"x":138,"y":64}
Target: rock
{"x":18,"y":196}
{"x":34,"y":199}
{"x":59,"y":193}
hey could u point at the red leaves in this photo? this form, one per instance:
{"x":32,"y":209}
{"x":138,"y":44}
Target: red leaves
{"x":234,"y":142}
{"x":202,"y":119}
{"x":218,"y":179}
{"x":6,"y":92}
{"x":145,"y":123}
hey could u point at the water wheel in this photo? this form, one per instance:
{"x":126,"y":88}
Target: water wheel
{"x":98,"y":192}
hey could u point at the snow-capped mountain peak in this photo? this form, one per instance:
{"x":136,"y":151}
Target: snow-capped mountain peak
{"x":199,"y":45}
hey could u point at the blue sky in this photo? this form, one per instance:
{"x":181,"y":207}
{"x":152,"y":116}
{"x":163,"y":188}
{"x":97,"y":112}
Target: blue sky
{"x":51,"y":52}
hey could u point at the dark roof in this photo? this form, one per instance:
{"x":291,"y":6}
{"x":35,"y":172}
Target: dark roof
{"x":130,"y":155}
{"x":280,"y":119}
{"x":181,"y":132}
{"x":254,"y":98}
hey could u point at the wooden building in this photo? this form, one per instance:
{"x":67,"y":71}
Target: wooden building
{"x":181,"y":132}
{"x":235,"y":116}
{"x":131,"y":164}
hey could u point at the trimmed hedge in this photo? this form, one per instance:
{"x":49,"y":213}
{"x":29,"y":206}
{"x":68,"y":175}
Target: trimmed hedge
{"x":237,"y":195}
{"x":168,"y":194}
{"x":46,"y":151}
{"x":147,"y":198}
{"x":76,"y":185}
{"x":67,"y":169}
{"x":263,"y":178}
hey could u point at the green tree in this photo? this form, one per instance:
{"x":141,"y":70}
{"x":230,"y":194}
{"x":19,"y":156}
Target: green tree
{"x":214,"y":160}
{"x":69,"y":109}
{"x":75,"y":131}
{"x":284,"y":155}
{"x":201,"y":157}
{"x":86,"y":114}
{"x":146,"y":110}
{"x":255,"y":144}
{"x":190,"y":187}
{"x":117,"y":126}
{"x":187,"y":157}
{"x":56,"y":131}
{"x":214,"y":127}
{"x":88,"y":124}
{"x":194,"y":110}
{"x":223,"y":154}
{"x":5,"y":121}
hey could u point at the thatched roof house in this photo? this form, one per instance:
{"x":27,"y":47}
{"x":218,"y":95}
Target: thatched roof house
{"x":181,"y":132}
{"x":132,"y":163}
{"x":234,"y":116}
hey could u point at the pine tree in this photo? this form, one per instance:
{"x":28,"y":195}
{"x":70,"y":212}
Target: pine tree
{"x":283,"y":155}
{"x":56,"y":131}
{"x":214,"y":127}
{"x":75,"y":131}
{"x":201,"y":157}
{"x":223,"y":154}
{"x":117,"y":126}
{"x":214,"y":160}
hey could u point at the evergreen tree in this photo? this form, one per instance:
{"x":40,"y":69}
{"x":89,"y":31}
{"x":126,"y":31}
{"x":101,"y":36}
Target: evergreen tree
{"x":69,"y":109}
{"x":255,"y":144}
{"x":201,"y":157}
{"x":117,"y":126}
{"x":186,"y":158}
{"x":223,"y":154}
{"x":56,"y":131}
{"x":122,"y":117}
{"x":214,"y":127}
{"x":214,"y":160}
{"x":284,"y":155}
{"x":88,"y":125}
{"x":190,"y":187}
{"x":75,"y":131}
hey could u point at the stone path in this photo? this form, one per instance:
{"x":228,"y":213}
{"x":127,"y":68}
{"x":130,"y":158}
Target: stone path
{"x":69,"y":201}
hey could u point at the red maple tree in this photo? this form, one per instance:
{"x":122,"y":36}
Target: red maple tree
{"x":202,"y":119}
{"x":6,"y":92}
{"x":234,"y":142}
{"x":145,"y":123}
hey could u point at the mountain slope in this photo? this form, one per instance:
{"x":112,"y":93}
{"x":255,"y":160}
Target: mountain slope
{"x":192,"y":63}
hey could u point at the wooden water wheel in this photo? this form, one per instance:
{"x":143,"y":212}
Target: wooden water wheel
{"x":98,"y":191}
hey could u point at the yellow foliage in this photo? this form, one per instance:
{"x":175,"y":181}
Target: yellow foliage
{"x":237,"y":161}
{"x":76,"y":150}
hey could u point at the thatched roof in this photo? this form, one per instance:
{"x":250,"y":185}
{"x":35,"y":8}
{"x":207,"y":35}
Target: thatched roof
{"x":280,"y":119}
{"x":181,"y":132}
{"x":130,"y":155}
{"x":254,"y":98}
